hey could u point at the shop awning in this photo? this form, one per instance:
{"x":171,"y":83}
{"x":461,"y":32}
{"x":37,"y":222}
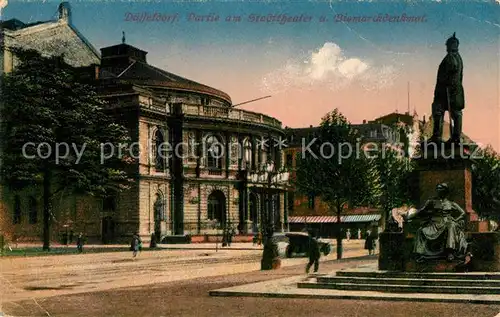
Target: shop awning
{"x":360,"y":218}
{"x":333,"y":219}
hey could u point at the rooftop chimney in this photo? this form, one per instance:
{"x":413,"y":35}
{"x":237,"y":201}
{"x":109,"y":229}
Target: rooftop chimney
{"x":64,"y":12}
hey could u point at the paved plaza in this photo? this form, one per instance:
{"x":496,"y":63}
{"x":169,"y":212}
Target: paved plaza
{"x":169,"y":282}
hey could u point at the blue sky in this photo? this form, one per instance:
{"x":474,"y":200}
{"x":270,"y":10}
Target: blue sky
{"x":298,"y":63}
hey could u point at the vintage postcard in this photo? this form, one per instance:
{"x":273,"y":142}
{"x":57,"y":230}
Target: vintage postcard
{"x":249,"y":158}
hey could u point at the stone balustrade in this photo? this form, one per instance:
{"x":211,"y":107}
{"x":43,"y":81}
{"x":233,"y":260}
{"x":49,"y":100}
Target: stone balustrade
{"x":229,"y":113}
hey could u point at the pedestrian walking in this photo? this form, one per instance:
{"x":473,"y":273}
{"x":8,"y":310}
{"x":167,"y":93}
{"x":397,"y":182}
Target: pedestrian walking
{"x":79,"y":243}
{"x":314,"y":253}
{"x":231,"y":235}
{"x":370,"y":242}
{"x":225,"y":237}
{"x":348,"y":234}
{"x":359,"y":234}
{"x":136,"y":244}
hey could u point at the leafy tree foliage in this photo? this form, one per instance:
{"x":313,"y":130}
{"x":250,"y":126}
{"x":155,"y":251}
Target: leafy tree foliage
{"x":46,"y":101}
{"x":332,"y":168}
{"x":397,"y":179}
{"x":486,"y":184}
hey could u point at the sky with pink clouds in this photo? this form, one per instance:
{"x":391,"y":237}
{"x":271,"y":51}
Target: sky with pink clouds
{"x":311,"y":66}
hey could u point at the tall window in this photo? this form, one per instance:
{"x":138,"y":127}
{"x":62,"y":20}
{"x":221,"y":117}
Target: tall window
{"x":217,"y":207}
{"x":33,"y":210}
{"x":159,"y":151}
{"x":109,"y":203}
{"x":289,"y":160}
{"x":215,"y":152}
{"x":247,"y":148}
{"x":16,"y":219}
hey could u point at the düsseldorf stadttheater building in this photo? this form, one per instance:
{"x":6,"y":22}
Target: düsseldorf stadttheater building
{"x":227,"y":171}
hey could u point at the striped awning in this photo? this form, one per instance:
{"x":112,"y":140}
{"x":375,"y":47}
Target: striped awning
{"x":312,"y":219}
{"x":360,"y":218}
{"x":333,"y":219}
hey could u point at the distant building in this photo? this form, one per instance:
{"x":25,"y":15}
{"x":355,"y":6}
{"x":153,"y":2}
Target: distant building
{"x":402,"y":132}
{"x":312,"y":212}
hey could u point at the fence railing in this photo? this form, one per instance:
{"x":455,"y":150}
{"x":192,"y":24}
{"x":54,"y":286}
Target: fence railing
{"x":229,"y":113}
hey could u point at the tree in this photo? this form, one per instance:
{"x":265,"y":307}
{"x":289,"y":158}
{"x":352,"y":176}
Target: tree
{"x":396,"y":179}
{"x":486,"y":184}
{"x":331,"y":168}
{"x":48,"y":103}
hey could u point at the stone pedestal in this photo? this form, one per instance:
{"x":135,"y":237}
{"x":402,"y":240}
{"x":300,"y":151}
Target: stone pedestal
{"x":451,"y":165}
{"x":391,"y":254}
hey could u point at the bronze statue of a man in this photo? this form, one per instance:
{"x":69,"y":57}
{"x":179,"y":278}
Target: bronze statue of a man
{"x":441,"y":233}
{"x":449,"y":93}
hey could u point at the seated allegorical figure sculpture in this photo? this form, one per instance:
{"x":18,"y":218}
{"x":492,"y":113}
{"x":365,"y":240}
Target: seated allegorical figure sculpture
{"x":441,"y":231}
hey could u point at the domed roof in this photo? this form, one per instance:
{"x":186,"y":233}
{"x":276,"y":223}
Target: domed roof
{"x":126,"y":62}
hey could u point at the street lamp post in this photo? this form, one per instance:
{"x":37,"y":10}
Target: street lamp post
{"x":269,"y":177}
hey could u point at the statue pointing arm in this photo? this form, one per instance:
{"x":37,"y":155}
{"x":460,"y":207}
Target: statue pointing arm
{"x":461,"y":213}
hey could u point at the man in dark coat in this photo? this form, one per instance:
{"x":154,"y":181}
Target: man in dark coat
{"x":314,"y":253}
{"x":79,"y":243}
{"x":449,"y":93}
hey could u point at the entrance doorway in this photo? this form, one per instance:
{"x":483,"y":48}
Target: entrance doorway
{"x":159,"y":216}
{"x":217,"y":207}
{"x":108,"y":230}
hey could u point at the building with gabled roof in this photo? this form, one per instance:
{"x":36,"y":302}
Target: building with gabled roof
{"x":50,"y":38}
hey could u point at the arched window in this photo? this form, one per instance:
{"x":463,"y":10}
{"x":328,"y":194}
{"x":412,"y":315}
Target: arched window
{"x":16,"y":219}
{"x":109,"y":203}
{"x":217,"y":206}
{"x":159,"y":151}
{"x":33,"y":210}
{"x":263,"y":147}
{"x":215,"y":152}
{"x":247,"y":156}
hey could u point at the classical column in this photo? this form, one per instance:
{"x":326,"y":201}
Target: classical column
{"x":282,"y":211}
{"x":256,"y":149}
{"x":198,"y":152}
{"x":178,"y":169}
{"x":227,"y":150}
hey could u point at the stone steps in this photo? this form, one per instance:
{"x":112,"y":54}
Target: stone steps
{"x":416,"y":275}
{"x":407,"y":281}
{"x":398,"y":288}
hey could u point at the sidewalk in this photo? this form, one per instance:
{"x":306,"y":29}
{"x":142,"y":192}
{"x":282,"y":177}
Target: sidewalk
{"x":22,"y":249}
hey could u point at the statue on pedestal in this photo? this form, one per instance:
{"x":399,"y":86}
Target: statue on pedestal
{"x":441,"y":231}
{"x":449,"y":94}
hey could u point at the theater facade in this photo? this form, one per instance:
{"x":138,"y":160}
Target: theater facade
{"x":204,"y":164}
